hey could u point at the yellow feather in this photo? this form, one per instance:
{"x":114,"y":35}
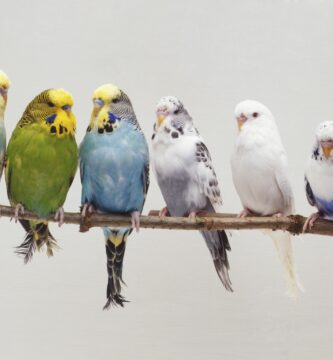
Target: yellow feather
{"x":4,"y":80}
{"x":107,"y":92}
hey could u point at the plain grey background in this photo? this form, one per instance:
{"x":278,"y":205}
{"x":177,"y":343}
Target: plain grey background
{"x":211,"y":54}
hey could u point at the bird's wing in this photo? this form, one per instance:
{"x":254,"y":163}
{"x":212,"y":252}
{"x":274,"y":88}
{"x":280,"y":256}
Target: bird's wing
{"x":146,"y":179}
{"x":309,"y":193}
{"x":207,"y":176}
{"x":283,"y":183}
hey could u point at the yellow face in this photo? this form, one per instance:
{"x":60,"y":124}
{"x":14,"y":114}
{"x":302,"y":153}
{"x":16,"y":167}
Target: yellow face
{"x":105,"y":98}
{"x":54,"y":109}
{"x":4,"y":86}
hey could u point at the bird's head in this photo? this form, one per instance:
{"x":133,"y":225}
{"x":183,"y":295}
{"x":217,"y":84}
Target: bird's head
{"x":250,"y":111}
{"x":168,"y":106}
{"x":4,"y":86}
{"x":111,"y":107}
{"x":324,"y":135}
{"x":53,"y":110}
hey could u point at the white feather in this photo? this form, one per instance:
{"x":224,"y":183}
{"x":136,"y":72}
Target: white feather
{"x":259,"y":169}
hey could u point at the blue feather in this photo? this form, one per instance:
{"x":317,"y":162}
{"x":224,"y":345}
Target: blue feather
{"x":112,"y":169}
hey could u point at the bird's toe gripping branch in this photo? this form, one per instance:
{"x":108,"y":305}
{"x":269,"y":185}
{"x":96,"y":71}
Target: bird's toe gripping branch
{"x":19,"y":210}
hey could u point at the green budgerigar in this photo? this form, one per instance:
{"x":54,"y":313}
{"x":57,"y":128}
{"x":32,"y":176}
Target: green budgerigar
{"x":41,"y":163}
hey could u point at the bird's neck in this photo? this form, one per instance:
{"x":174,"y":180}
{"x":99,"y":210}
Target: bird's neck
{"x":2,"y":115}
{"x":2,"y":108}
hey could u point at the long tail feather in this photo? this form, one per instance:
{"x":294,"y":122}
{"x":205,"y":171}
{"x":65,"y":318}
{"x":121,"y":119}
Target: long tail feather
{"x":37,"y":235}
{"x":115,"y":246}
{"x":218,"y":245}
{"x":283,"y":244}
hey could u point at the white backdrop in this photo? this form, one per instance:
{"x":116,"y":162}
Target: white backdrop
{"x":210,"y":54}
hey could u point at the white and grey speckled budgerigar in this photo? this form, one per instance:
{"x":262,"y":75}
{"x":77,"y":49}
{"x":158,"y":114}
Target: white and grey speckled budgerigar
{"x":319,"y":175}
{"x":186,"y":177}
{"x":260,"y":174}
{"x":4,"y":86}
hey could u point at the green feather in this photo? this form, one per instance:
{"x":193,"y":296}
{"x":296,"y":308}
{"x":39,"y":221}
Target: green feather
{"x":39,"y":171}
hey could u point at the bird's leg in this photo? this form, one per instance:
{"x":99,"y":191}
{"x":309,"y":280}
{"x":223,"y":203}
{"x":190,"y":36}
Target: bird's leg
{"x":311,"y":220}
{"x":60,"y":216}
{"x":87,"y":209}
{"x":164,"y":212}
{"x":135,"y":218}
{"x":19,"y":209}
{"x":245,"y":213}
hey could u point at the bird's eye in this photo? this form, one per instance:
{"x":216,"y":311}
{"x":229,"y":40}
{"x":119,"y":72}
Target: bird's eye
{"x":255,"y":114}
{"x":50,"y":104}
{"x":176,"y":111}
{"x":115,"y":100}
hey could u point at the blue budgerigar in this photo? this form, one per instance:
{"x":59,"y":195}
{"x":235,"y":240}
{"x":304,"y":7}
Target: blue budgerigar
{"x":319,"y":175}
{"x":4,"y":86}
{"x":114,"y":167}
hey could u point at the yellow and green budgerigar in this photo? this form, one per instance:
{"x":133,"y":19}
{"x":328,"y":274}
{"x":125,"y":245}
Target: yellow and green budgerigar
{"x":42,"y":158}
{"x":4,"y":86}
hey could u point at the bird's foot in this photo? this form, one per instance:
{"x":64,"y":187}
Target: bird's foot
{"x":135,"y":218}
{"x":87,"y":210}
{"x":192,"y":215}
{"x":277,"y":215}
{"x":245,"y":213}
{"x":60,"y":216}
{"x":19,"y":210}
{"x":311,"y":220}
{"x":164,"y":212}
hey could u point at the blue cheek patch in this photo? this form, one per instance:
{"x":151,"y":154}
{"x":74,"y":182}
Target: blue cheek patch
{"x":112,"y":117}
{"x":50,"y":119}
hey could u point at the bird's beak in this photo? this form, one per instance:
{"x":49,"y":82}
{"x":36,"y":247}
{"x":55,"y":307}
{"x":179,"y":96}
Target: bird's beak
{"x":160,"y":119}
{"x":161,"y":115}
{"x":241,"y":120}
{"x":3,"y":93}
{"x":327,"y":147}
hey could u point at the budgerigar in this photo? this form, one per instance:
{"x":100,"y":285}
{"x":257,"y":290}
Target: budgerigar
{"x":186,"y":177}
{"x":319,"y":175}
{"x":114,"y":167}
{"x":260,"y":174}
{"x":42,"y":158}
{"x":4,"y":86}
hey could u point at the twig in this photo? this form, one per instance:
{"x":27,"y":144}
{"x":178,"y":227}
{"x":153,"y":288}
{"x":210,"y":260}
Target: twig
{"x":204,"y":221}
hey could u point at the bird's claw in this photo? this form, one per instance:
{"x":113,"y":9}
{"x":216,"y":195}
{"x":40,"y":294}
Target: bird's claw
{"x":244,"y":213}
{"x":310,"y":221}
{"x":135,"y":219}
{"x":87,"y":209}
{"x":19,"y":210}
{"x":60,"y":216}
{"x":192,"y":215}
{"x":164,"y":212}
{"x":277,"y":215}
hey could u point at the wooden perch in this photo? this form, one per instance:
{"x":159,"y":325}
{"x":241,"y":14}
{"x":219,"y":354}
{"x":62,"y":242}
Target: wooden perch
{"x":204,"y":221}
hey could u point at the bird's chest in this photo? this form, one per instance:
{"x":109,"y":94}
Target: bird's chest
{"x":177,"y":178}
{"x":254,"y":178}
{"x":320,"y":177}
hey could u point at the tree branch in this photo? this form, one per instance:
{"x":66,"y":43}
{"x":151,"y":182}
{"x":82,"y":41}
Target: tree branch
{"x":204,"y":221}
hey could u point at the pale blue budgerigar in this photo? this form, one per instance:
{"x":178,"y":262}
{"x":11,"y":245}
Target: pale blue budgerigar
{"x":186,"y":177}
{"x":114,"y":167}
{"x":4,"y":86}
{"x":319,"y":175}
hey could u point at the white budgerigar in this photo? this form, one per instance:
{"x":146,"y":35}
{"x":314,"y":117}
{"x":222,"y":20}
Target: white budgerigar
{"x":260,"y":174}
{"x":319,"y":175}
{"x":186,"y":177}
